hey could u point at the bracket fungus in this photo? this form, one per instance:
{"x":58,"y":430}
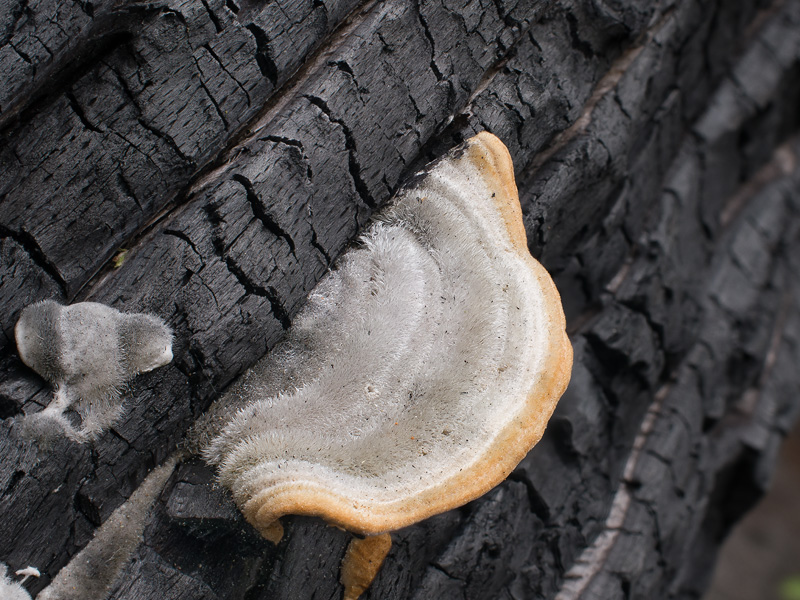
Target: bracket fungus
{"x":420,"y":372}
{"x":88,"y":352}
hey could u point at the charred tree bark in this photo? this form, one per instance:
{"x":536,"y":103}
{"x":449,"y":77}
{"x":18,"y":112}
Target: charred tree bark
{"x":225,"y":153}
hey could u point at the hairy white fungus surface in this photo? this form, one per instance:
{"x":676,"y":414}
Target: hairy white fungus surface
{"x":420,"y":372}
{"x":88,"y":352}
{"x":10,"y":589}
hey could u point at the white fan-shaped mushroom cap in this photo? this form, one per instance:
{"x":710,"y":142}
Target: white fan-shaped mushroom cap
{"x":418,"y":375}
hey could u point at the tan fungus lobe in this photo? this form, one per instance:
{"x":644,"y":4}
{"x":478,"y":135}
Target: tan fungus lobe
{"x":361,"y":563}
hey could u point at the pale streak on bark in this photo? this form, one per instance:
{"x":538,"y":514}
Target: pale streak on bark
{"x":89,"y":575}
{"x":592,"y":560}
{"x":607,"y":83}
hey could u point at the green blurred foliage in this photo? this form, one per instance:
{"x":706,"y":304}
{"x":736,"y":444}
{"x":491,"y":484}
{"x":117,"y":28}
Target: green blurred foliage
{"x":790,"y":588}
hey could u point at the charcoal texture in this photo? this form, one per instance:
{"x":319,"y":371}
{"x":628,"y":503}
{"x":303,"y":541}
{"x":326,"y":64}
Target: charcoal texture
{"x":208,"y":161}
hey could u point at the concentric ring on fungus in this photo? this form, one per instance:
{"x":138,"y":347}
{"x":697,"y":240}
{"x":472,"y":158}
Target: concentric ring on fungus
{"x":420,"y":372}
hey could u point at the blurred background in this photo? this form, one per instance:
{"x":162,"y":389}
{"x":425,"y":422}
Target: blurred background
{"x":761,"y":557}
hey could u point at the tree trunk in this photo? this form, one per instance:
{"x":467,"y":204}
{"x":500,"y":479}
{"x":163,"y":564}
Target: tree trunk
{"x":225,"y":153}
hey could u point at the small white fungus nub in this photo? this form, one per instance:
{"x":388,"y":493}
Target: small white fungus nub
{"x":28,"y":572}
{"x":88,"y":352}
{"x":420,"y":372}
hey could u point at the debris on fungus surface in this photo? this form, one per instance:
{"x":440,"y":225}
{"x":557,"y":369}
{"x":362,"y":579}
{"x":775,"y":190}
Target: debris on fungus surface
{"x":423,"y":368}
{"x":88,"y":352}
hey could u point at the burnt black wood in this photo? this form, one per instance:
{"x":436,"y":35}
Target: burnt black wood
{"x":234,"y":148}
